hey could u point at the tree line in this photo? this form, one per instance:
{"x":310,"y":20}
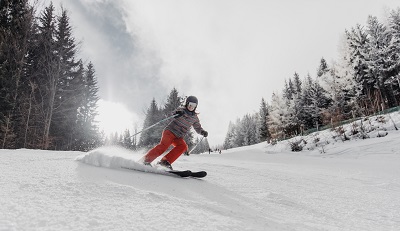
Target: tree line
{"x":48,"y":96}
{"x":364,"y":80}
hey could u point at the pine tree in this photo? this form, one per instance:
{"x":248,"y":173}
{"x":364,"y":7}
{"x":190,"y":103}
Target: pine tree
{"x":316,"y":99}
{"x":263,"y":122}
{"x":48,"y":75}
{"x":69,"y":85}
{"x":276,"y":118}
{"x":357,"y":46}
{"x":250,"y":129}
{"x":289,"y":90}
{"x":297,"y":83}
{"x":393,"y":58}
{"x":16,"y":25}
{"x":127,"y":141}
{"x":173,"y":102}
{"x":339,"y":85}
{"x":86,"y":135}
{"x":152,"y":136}
{"x":376,"y":75}
{"x":34,"y":106}
{"x":230,"y":136}
{"x":345,"y":77}
{"x":41,"y":81}
{"x":323,"y":68}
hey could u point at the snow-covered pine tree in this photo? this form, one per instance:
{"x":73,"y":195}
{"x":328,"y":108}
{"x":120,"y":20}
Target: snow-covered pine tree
{"x":297,"y":83}
{"x":315,"y":99}
{"x":292,"y":118}
{"x":245,"y":131}
{"x":297,"y":105}
{"x":393,"y":57}
{"x":288,"y":90}
{"x":230,"y":136}
{"x":323,"y":68}
{"x":238,"y":138}
{"x":344,"y":74}
{"x":327,"y":80}
{"x":377,"y":57}
{"x":276,"y":117}
{"x":248,"y":130}
{"x":357,"y":40}
{"x":340,"y":89}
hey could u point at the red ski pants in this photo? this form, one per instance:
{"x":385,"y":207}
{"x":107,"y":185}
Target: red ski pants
{"x":167,"y":139}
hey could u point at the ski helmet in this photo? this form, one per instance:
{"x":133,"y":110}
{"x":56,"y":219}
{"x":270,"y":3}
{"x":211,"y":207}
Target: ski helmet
{"x":191,"y":99}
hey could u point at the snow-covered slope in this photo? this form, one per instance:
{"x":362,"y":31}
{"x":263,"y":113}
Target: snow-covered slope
{"x":351,"y":185}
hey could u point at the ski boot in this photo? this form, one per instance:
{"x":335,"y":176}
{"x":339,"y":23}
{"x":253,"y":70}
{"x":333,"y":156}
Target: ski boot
{"x":147,"y":163}
{"x":165,"y":164}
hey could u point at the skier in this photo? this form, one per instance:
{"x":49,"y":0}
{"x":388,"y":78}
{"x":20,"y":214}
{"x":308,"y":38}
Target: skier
{"x":174,"y":132}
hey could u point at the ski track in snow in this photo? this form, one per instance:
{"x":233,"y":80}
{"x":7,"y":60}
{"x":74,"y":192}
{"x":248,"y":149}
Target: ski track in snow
{"x":51,"y":191}
{"x":354,"y":185}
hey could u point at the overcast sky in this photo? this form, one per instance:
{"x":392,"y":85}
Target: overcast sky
{"x":228,"y":53}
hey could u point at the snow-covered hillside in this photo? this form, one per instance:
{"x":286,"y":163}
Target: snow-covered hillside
{"x":330,"y":185}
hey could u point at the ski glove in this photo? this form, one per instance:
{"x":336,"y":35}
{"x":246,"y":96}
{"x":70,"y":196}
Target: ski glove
{"x":204,"y":133}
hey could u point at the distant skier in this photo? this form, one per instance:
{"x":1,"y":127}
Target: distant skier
{"x":173,"y":134}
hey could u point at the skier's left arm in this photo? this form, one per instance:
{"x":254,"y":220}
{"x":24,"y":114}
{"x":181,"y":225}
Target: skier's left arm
{"x":197,"y":127}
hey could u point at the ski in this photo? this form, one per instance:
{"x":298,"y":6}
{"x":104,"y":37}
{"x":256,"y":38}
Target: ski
{"x":188,"y":173}
{"x":183,"y":173}
{"x":199,"y":174}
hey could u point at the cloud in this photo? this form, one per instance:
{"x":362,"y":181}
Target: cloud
{"x":126,"y":72}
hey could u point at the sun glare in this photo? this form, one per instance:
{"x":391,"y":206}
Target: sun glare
{"x":114,"y":117}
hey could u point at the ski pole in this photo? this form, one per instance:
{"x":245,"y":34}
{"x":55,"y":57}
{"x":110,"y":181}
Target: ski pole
{"x":153,"y":125}
{"x":196,"y":145}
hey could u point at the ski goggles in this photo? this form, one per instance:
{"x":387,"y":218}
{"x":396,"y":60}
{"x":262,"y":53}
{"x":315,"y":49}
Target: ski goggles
{"x":192,"y":105}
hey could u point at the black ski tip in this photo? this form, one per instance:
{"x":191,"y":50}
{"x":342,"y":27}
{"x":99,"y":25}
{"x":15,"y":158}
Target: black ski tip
{"x":186,"y":173}
{"x":199,"y":174}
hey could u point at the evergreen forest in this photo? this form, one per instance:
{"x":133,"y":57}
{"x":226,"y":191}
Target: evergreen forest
{"x":365,"y":80}
{"x":49,"y":95}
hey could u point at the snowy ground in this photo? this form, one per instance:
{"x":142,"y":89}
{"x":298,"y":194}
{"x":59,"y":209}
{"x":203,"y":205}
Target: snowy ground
{"x":351,"y":185}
